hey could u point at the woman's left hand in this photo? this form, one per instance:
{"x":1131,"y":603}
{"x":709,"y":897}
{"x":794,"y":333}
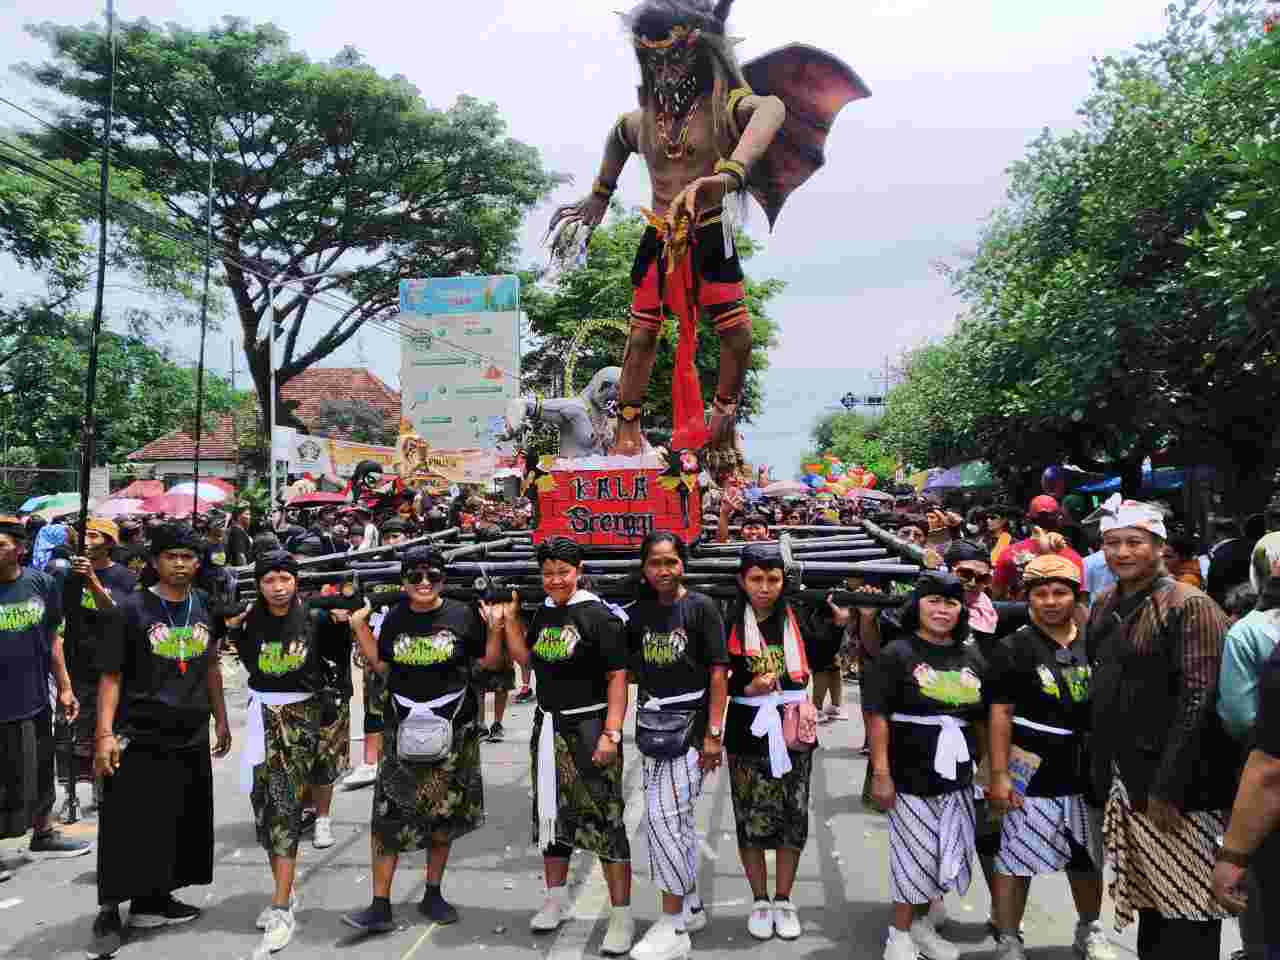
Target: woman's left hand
{"x":712,"y":755}
{"x":606,"y":751}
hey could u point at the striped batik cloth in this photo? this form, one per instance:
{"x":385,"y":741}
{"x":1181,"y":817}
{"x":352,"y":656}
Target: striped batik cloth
{"x":931,"y":845}
{"x":1171,"y":873}
{"x":671,"y":788}
{"x":1037,"y":838}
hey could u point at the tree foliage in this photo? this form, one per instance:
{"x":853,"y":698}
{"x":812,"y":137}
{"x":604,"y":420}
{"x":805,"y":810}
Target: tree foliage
{"x":856,"y":439}
{"x":601,"y":290}
{"x":1123,"y":301}
{"x":317,"y":167}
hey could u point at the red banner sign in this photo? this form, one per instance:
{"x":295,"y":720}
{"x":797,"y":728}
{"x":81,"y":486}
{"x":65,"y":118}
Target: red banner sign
{"x":616,"y":508}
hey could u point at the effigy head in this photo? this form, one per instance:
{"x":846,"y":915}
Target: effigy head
{"x":683,"y":51}
{"x":603,"y":388}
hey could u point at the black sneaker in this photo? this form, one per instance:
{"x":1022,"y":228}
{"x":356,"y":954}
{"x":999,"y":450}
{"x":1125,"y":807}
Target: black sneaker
{"x":495,"y":733}
{"x":162,"y":912}
{"x":308,"y":821}
{"x":52,"y":845}
{"x":370,"y":919}
{"x":437,"y":909}
{"x":108,"y":935}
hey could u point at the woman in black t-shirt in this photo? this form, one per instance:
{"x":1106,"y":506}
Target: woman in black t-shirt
{"x":769,"y":783}
{"x":426,"y":648}
{"x":922,"y":693}
{"x":676,"y":638}
{"x":1038,"y":692}
{"x":297,"y":735}
{"x":577,"y":650}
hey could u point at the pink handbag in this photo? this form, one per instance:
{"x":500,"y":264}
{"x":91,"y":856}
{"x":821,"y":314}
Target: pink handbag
{"x":800,"y":725}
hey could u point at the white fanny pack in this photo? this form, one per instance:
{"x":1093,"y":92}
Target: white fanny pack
{"x":424,"y":736}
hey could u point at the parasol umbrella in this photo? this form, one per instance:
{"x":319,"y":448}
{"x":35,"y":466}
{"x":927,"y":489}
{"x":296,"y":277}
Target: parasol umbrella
{"x":174,"y":505}
{"x":975,"y":473}
{"x":210,"y":490}
{"x":786,"y":488}
{"x":51,"y":501}
{"x":866,"y":493}
{"x":141,"y":489}
{"x":118,"y":507}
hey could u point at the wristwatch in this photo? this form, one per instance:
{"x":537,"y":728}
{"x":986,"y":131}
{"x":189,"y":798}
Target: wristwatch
{"x":629,"y":413}
{"x":715,"y":733}
{"x":614,"y":735}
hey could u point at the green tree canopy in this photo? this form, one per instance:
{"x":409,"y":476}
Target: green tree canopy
{"x":317,"y":167}
{"x":855,"y":439}
{"x":601,"y":290}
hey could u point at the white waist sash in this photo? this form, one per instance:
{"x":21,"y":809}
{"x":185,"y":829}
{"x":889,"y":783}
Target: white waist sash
{"x":1043,"y":727}
{"x":768,"y":723}
{"x":428,"y":709}
{"x":255,"y":733}
{"x":548,"y":794}
{"x":952,"y":748}
{"x":654,"y":703}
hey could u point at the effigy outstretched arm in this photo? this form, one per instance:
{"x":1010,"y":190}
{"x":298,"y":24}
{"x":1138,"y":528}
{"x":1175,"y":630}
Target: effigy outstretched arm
{"x":571,"y":225}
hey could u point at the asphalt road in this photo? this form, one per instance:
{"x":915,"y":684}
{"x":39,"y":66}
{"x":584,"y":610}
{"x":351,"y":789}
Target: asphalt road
{"x":495,"y":880}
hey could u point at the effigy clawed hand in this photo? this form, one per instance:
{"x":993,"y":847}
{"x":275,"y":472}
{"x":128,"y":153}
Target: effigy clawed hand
{"x":572,"y":225}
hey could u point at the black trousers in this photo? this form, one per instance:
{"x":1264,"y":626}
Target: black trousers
{"x":1165,"y":938}
{"x":155,"y":831}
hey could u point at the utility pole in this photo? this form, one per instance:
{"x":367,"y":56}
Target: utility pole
{"x":232,"y":344}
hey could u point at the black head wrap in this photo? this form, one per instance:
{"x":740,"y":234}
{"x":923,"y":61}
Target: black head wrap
{"x":394,"y":525}
{"x":559,"y":548}
{"x":764,"y":556}
{"x":274,"y":560}
{"x":755,"y":520}
{"x":964,"y":551}
{"x":935,"y":584}
{"x":174,"y":536}
{"x":423,"y":555}
{"x":308,"y":545}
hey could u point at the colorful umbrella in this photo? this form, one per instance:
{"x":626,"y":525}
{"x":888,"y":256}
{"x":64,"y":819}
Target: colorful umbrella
{"x":141,"y":490}
{"x":975,"y":473}
{"x":786,"y":488}
{"x":211,"y":490}
{"x":174,"y":505}
{"x":50,"y":501}
{"x":119,"y":507}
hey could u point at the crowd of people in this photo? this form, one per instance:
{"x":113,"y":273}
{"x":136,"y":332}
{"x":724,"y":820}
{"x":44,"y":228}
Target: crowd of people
{"x":1101,"y":719}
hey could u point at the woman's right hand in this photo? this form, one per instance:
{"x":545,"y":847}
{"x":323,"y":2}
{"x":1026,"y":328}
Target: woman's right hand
{"x":106,"y":756}
{"x":839,"y":614}
{"x":764,"y":683}
{"x":361,"y":617}
{"x":233,"y":623}
{"x":1001,"y":795}
{"x":883,"y":791}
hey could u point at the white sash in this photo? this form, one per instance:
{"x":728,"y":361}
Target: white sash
{"x":1043,"y":727}
{"x":255,"y":734}
{"x":952,"y":748}
{"x":427,"y":709}
{"x":548,"y":795}
{"x":654,"y":703}
{"x":768,"y":723}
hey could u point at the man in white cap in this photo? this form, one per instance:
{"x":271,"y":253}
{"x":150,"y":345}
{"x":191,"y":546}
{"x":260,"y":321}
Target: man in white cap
{"x":1161,"y":761}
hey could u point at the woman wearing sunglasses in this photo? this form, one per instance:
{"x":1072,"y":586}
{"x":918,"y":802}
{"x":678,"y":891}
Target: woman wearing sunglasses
{"x":577,"y":650}
{"x":1038,"y":691}
{"x":425,"y":800}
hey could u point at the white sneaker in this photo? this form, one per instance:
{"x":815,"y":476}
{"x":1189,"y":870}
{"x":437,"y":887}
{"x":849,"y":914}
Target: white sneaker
{"x":361,"y":776}
{"x":1092,"y":943}
{"x":552,"y":913}
{"x":930,"y":943}
{"x":937,"y":915}
{"x":900,"y":946}
{"x":324,"y":833}
{"x":760,"y":923}
{"x":1009,"y":947}
{"x":620,"y":934}
{"x":663,"y":941}
{"x":786,"y":919}
{"x":280,"y":926}
{"x":695,"y":920}
{"x":265,"y":915}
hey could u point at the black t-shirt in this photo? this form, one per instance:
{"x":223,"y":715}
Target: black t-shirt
{"x":912,"y":676}
{"x":30,"y":611}
{"x":822,"y":644}
{"x":120,"y":583}
{"x":1024,"y":672}
{"x":239,"y":547}
{"x":675,"y":647}
{"x":572,"y":651}
{"x":431,"y":654}
{"x":276,"y":666}
{"x":738,"y":737}
{"x":163,"y":652}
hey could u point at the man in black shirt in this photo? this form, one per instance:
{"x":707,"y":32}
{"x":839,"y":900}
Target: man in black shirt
{"x":239,"y":544}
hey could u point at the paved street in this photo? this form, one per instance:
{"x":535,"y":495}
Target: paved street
{"x":495,"y":881}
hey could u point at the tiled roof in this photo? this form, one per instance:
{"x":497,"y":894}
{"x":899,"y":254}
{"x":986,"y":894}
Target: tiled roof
{"x":315,"y":385}
{"x":219,"y":444}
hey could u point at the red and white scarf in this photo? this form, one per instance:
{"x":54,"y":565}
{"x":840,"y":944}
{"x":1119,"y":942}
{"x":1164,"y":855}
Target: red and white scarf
{"x":792,"y":644}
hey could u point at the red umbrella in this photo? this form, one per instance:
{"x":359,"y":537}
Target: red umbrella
{"x":141,"y":490}
{"x":317,"y":498}
{"x":174,"y":505}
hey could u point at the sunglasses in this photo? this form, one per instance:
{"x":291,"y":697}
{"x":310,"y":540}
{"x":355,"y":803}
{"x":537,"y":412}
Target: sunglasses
{"x":968,"y":576}
{"x":1065,"y":658}
{"x":417,"y":576}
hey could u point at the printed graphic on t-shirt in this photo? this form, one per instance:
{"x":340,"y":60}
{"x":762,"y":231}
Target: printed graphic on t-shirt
{"x":1078,"y":680}
{"x":87,"y":600}
{"x":770,"y":660}
{"x":22,"y":615}
{"x":556,"y":644}
{"x":275,"y":659}
{"x":955,"y":688}
{"x":665,"y":649}
{"x":178,"y":643}
{"x":218,"y":559}
{"x":416,"y":651}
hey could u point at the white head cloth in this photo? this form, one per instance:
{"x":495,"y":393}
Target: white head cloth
{"x":1117,"y":513}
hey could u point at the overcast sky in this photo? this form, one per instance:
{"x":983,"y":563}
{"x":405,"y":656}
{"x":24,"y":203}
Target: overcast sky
{"x":958,"y":89}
